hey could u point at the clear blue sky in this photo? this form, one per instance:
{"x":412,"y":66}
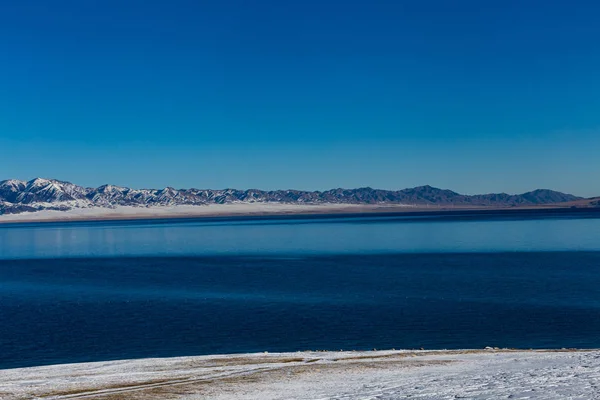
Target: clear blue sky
{"x":476,"y":96}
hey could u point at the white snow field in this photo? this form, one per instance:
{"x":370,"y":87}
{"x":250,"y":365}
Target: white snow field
{"x":179,"y":211}
{"x":376,"y":375}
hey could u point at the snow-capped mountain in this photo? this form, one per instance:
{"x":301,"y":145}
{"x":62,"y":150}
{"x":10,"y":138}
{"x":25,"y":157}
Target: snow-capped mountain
{"x":51,"y":194}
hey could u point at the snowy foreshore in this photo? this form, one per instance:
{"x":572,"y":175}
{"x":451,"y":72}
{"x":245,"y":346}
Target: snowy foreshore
{"x":320,"y":375}
{"x":184,"y":211}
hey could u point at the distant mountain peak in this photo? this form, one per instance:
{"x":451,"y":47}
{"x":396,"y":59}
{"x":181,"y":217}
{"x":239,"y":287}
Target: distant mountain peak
{"x":426,"y":187}
{"x":42,"y":193}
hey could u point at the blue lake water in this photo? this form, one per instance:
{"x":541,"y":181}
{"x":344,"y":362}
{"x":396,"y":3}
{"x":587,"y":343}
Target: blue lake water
{"x":72,"y":292}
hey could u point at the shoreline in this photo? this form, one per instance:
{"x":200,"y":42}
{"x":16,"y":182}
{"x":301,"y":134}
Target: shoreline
{"x":268,"y":210}
{"x":490,"y":372}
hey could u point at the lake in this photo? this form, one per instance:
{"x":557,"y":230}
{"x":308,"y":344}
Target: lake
{"x":74,"y":292}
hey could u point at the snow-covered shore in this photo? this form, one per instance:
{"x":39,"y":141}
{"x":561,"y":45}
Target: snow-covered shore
{"x":183,"y":211}
{"x":320,"y":375}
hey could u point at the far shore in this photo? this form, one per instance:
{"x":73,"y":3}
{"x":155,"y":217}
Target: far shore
{"x":239,"y":210}
{"x":349,"y":375}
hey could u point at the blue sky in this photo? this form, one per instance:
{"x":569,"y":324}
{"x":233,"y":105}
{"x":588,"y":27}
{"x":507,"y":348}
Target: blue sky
{"x":476,"y":96}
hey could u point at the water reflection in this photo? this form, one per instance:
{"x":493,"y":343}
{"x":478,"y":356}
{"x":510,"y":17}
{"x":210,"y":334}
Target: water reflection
{"x":296,"y":236}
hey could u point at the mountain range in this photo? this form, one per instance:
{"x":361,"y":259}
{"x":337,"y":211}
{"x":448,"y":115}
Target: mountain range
{"x":50,"y":194}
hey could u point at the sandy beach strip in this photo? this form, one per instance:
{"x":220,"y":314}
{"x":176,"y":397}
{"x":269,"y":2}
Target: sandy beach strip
{"x":470,"y":374}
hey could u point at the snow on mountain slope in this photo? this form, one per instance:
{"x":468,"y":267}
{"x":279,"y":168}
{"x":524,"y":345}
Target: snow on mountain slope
{"x":51,"y":194}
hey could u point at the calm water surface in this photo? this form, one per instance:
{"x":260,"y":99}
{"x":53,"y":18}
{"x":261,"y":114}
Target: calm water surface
{"x":533,"y":231}
{"x":96,"y":291}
